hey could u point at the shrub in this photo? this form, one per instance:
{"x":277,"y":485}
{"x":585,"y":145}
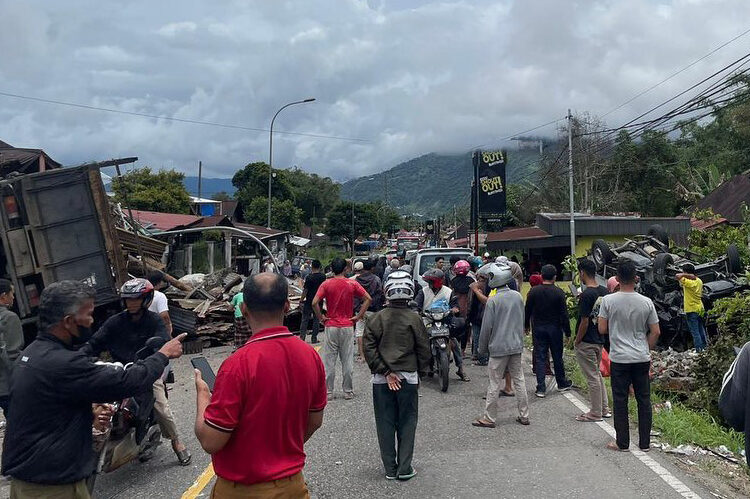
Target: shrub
{"x":732,"y":317}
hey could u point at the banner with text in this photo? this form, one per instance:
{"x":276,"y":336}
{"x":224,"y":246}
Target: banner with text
{"x":489,"y":175}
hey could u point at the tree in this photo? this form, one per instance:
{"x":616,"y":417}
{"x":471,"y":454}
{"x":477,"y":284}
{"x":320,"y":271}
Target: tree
{"x":162,"y":191}
{"x":284,"y":215}
{"x":221,"y":196}
{"x":252,"y":182}
{"x":314,"y":194}
{"x":340,"y":220}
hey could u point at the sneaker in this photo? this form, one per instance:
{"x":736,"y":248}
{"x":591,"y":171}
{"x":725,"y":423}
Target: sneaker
{"x":607,"y":415}
{"x":330,"y":396}
{"x":348,"y":395}
{"x":540,"y":394}
{"x":523,"y":420}
{"x":408,"y":476}
{"x":565,"y":388}
{"x":390,"y":477}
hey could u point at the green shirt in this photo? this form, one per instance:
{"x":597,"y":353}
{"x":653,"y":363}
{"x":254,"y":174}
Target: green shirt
{"x":236,"y":300}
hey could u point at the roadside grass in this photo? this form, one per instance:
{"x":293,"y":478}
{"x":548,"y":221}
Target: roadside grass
{"x":678,"y":426}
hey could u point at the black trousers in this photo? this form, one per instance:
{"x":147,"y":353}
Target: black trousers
{"x":396,"y":421}
{"x":623,"y":375}
{"x":549,"y":338}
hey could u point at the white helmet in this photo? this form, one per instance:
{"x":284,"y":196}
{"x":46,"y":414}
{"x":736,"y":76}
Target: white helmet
{"x":399,"y":286}
{"x":497,"y":275}
{"x":502,"y":260}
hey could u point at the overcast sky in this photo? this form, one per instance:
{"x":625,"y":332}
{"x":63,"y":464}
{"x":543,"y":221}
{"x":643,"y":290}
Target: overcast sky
{"x":410,"y":77}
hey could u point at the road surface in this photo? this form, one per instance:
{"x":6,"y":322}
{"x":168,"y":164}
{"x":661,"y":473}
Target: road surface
{"x":553,"y":457}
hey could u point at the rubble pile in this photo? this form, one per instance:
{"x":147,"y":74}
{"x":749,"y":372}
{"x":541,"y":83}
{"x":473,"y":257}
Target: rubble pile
{"x":673,"y":371}
{"x":206,"y":311}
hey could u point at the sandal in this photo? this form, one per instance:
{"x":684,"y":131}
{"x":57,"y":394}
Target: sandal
{"x":503,"y":393}
{"x":462,"y":376}
{"x":613,"y":446}
{"x":523,"y":420}
{"x":587,"y":418}
{"x":482,"y":423}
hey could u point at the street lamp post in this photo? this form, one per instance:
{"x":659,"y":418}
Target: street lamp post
{"x":270,"y":151}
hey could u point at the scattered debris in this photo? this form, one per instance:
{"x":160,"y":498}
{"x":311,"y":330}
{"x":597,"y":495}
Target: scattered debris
{"x":672,"y":371}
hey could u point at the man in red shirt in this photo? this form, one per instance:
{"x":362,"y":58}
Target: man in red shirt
{"x":267,"y":402}
{"x":339,"y":293}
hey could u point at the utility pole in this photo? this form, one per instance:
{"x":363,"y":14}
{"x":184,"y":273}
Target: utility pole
{"x":354,"y":231}
{"x":455,"y":223}
{"x":200,"y":176}
{"x":570,"y":185}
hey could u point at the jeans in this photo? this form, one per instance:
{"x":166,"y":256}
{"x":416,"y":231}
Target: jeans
{"x":549,"y":338}
{"x":623,"y":375}
{"x":697,"y":329}
{"x":339,"y":344}
{"x":396,"y":421}
{"x":457,"y":356}
{"x":475,"y":330}
{"x":496,"y":369}
{"x":307,"y":312}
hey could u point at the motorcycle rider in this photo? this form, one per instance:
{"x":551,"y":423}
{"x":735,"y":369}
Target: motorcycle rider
{"x":460,"y":284}
{"x":435,"y":290}
{"x":126,"y":333}
{"x":48,"y":448}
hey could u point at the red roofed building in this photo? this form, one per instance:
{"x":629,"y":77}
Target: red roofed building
{"x":155,"y":221}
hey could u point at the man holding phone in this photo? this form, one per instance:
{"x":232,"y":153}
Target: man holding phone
{"x":256,"y":453}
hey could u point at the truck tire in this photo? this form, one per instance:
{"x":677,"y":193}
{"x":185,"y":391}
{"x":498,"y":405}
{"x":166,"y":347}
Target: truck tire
{"x":657,"y":232}
{"x":661,"y":262}
{"x":734,"y":262}
{"x":602,"y":253}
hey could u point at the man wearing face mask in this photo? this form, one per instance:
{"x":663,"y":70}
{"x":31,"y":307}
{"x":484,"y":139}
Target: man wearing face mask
{"x":122,"y":335}
{"x":48,"y":448}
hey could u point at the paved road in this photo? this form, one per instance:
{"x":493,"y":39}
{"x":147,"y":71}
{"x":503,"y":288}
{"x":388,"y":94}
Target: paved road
{"x":554,"y":457}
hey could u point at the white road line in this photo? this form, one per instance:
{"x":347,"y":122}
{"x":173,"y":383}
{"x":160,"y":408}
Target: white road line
{"x":657,"y":468}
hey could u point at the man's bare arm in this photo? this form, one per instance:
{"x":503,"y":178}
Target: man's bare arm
{"x":603,"y":325}
{"x":211,"y":439}
{"x":653,"y":335}
{"x":582,"y":327}
{"x":167,"y":321}
{"x":314,"y":421}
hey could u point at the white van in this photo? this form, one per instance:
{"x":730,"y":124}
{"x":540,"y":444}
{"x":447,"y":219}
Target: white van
{"x":423,"y":260}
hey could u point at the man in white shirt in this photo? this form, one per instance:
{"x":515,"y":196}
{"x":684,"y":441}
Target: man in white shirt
{"x":159,"y":304}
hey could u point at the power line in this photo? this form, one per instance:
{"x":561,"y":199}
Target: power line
{"x":677,"y":72}
{"x":172,"y":118}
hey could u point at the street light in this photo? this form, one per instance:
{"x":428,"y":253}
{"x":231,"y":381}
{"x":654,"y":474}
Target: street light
{"x":270,"y":152}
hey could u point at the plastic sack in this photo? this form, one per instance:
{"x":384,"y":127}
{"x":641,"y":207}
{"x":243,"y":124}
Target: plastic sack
{"x":604,"y":364}
{"x":440,"y":305}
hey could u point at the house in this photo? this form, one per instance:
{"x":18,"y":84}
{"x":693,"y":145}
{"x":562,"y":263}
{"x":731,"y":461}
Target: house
{"x":24,"y":161}
{"x":205,"y":207}
{"x":155,"y":221}
{"x":728,"y":199}
{"x":549,"y":240}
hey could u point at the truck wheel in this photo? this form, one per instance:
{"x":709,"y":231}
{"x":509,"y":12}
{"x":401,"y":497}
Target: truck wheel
{"x":657,"y":232}
{"x":734,"y":262}
{"x":602,"y":253}
{"x":661,"y":262}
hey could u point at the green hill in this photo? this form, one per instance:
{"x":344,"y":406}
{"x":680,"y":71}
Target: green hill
{"x":431,"y":184}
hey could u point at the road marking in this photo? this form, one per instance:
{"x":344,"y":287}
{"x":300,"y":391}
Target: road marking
{"x":200,"y":483}
{"x":657,"y":468}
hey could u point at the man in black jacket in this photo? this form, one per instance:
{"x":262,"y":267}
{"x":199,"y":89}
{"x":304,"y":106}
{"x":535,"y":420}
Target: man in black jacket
{"x":48,"y":444}
{"x":126,"y":333}
{"x":734,"y":402}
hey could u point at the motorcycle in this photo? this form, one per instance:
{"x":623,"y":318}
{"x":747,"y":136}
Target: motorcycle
{"x":439,"y":322}
{"x":134,"y":431}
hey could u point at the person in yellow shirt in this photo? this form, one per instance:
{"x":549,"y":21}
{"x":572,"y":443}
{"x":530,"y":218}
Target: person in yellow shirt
{"x":692,"y":291}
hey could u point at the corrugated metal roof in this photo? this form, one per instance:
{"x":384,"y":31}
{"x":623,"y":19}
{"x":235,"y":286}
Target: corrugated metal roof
{"x":154,"y":220}
{"x":707,"y":224}
{"x":516,"y":234}
{"x":726,"y":200}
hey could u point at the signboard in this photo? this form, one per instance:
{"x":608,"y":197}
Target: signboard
{"x":489,"y":176}
{"x":429,"y":227}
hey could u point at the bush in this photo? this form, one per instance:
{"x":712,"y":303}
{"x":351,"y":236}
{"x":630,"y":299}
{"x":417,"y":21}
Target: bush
{"x":732,"y":317}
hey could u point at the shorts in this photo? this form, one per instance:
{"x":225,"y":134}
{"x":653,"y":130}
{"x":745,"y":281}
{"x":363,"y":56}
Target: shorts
{"x":359,"y":328}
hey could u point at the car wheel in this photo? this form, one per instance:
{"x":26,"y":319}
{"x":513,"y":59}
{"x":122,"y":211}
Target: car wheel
{"x":602,"y":253}
{"x":734,"y":262}
{"x":661,"y":262}
{"x":657,"y":232}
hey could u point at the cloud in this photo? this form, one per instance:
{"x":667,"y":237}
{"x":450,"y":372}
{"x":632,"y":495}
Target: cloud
{"x":410,"y":76}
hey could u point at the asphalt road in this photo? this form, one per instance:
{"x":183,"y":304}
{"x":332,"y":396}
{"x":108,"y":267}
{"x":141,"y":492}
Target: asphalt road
{"x":554,"y":457}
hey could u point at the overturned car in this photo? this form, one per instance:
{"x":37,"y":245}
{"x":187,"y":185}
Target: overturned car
{"x":657,"y":265}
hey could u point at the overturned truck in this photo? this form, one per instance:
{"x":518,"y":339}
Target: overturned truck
{"x":657,"y":264}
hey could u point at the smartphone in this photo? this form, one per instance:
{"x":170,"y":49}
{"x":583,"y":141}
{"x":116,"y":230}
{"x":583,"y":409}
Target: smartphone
{"x":207,"y":373}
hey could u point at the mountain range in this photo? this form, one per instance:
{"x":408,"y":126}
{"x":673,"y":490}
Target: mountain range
{"x":428,"y":185}
{"x":432,"y":184}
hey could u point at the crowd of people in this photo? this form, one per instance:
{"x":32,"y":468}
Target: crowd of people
{"x":56,"y":392}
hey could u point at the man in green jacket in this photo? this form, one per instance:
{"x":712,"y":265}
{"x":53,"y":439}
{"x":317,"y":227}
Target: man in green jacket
{"x":397,"y":349}
{"x":11,"y":340}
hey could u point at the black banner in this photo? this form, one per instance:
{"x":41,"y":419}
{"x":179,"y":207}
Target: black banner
{"x":489,"y":176}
